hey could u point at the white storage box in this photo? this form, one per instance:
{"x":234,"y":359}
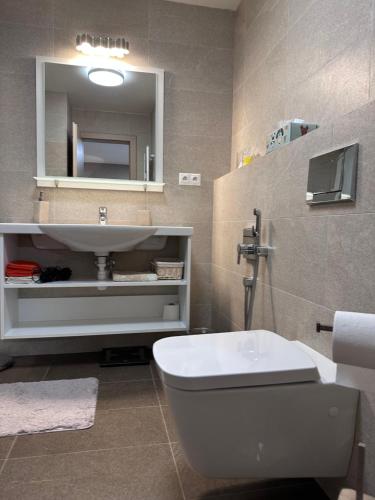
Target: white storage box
{"x":135,"y":276}
{"x":287,"y":133}
{"x":168,"y":269}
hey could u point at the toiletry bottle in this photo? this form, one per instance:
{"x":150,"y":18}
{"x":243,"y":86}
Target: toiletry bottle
{"x":41,"y":209}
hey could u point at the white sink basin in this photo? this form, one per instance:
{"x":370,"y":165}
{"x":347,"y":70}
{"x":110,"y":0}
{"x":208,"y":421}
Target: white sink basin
{"x":98,"y":238}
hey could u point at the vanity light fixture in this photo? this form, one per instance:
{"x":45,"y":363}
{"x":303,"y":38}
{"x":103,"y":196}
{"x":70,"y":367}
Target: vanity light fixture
{"x":102,"y":45}
{"x":106,"y":77}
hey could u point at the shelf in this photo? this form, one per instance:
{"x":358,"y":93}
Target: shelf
{"x":95,"y":284}
{"x":91,"y":183}
{"x":74,"y":328}
{"x":128,"y":307}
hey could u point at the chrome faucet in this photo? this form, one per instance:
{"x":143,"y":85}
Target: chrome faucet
{"x":103,"y":219}
{"x":251,"y":250}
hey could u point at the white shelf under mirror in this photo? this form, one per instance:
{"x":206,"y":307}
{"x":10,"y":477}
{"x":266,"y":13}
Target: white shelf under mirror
{"x":109,"y":184}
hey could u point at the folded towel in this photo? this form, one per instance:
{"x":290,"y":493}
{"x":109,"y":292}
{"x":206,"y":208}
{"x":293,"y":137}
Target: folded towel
{"x":22,"y":268}
{"x":22,"y":280}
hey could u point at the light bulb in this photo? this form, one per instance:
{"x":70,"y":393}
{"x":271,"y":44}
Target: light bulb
{"x":106,"y":77}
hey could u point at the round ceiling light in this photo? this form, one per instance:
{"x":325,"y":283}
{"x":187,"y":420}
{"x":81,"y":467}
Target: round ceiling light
{"x":106,"y":77}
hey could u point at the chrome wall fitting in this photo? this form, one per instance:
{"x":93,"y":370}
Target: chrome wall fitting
{"x":251,"y":250}
{"x":103,"y":215}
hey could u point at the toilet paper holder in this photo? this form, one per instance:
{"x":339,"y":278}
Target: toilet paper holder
{"x":323,"y":328}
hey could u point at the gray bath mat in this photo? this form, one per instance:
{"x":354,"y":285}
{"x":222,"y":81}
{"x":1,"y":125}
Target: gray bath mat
{"x":56,"y":405}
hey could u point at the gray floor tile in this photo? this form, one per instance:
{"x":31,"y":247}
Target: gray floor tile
{"x":44,"y":360}
{"x":5,"y":444}
{"x":137,"y":473}
{"x":22,"y":374}
{"x":115,"y":395}
{"x":112,"y":429}
{"x":92,"y":369}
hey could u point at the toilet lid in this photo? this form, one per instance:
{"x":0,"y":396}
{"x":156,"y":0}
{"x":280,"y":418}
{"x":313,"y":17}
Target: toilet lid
{"x":233,"y":359}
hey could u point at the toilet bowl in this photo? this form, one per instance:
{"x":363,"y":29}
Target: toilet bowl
{"x":253,"y":404}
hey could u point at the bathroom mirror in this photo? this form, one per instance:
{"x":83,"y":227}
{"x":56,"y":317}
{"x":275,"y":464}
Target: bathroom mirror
{"x":99,"y":125}
{"x":332,"y":176}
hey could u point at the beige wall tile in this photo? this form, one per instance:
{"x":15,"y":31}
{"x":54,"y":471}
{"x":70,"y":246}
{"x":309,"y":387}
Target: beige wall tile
{"x":16,"y":201}
{"x":201,"y":289}
{"x":201,"y":241}
{"x":197,"y":113}
{"x":17,"y":125}
{"x":293,"y":317}
{"x":296,"y":9}
{"x":297,"y":262}
{"x":19,"y":44}
{"x":181,"y":205}
{"x":190,"y":68}
{"x":77,"y":205}
{"x":349,"y":283}
{"x":208,"y":156}
{"x":200,"y":316}
{"x":308,"y":52}
{"x":183,"y":24}
{"x":265,"y":33}
{"x":33,"y":12}
{"x":220,"y":323}
{"x":332,"y":91}
{"x":227,"y":293}
{"x":125,"y":16}
{"x":355,"y":129}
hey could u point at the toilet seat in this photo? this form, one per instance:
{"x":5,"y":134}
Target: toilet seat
{"x":230,"y":360}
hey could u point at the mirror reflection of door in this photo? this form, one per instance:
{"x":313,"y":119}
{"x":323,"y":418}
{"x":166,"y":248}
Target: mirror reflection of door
{"x":104,"y":156}
{"x":77,"y":152}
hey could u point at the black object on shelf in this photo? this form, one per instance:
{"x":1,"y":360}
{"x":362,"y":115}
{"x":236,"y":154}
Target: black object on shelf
{"x":323,"y":328}
{"x":55,"y":274}
{"x":125,"y":356}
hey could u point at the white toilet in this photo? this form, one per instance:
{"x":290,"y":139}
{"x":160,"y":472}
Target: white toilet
{"x":253,"y":404}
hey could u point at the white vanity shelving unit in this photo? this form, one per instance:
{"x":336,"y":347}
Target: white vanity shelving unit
{"x":24,"y":316}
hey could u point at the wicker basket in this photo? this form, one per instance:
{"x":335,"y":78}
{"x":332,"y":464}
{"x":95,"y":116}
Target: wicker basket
{"x":168,"y":269}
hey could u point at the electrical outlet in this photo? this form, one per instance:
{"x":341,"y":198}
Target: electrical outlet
{"x":185,"y":179}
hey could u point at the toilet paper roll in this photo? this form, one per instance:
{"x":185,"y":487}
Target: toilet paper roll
{"x":354,"y":339}
{"x":171,"y":312}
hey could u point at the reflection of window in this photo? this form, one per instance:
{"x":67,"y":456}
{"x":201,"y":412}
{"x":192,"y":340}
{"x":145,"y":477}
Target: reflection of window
{"x":104,"y":156}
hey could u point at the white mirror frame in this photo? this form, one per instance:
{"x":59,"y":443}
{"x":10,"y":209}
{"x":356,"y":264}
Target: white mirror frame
{"x":43,"y":180}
